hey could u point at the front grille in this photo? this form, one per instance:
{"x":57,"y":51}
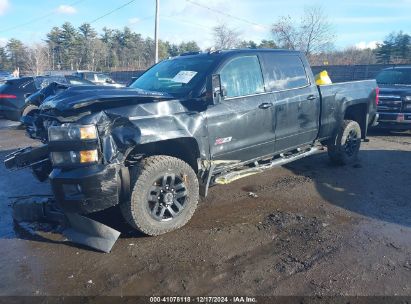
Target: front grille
{"x":390,"y":103}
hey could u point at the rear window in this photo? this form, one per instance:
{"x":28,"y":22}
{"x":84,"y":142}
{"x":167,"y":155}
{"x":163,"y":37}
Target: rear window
{"x":283,"y":72}
{"x":42,"y":82}
{"x":78,"y":81}
{"x":88,"y":76}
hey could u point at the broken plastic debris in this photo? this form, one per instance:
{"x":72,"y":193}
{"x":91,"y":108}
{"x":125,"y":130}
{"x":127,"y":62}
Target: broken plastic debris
{"x":252,"y":194}
{"x":91,"y":233}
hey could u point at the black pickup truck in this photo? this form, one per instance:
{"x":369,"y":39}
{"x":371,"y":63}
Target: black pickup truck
{"x":188,"y":123}
{"x":394,"y":108}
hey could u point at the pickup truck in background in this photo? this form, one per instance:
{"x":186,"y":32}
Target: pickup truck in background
{"x":394,"y":108}
{"x":186,"y":124}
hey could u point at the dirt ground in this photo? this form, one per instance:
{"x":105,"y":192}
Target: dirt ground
{"x":314,"y":229}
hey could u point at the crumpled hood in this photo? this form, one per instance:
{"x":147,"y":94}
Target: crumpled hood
{"x":86,"y":97}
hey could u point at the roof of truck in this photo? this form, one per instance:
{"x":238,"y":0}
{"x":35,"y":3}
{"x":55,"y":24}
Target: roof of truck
{"x":238,"y":51}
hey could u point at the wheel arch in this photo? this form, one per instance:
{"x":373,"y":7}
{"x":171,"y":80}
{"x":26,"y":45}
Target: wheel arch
{"x":358,"y":113}
{"x":184,"y":148}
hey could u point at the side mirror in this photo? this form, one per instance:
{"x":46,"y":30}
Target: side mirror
{"x":219,"y":92}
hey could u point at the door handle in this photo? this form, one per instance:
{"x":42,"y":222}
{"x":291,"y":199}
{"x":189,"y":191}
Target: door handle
{"x":265,"y":105}
{"x":311,"y":97}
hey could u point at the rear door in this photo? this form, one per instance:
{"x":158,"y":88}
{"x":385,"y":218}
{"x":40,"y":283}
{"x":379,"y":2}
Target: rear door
{"x":241,"y":126}
{"x":297,"y":101}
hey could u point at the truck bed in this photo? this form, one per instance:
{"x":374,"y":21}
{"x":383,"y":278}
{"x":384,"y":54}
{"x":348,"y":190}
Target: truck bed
{"x":336,"y":98}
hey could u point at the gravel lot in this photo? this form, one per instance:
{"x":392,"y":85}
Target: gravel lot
{"x":311,"y":229}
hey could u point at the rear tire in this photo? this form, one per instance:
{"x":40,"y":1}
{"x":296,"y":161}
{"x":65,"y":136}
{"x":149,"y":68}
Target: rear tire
{"x":344,"y":147}
{"x":164,"y":197}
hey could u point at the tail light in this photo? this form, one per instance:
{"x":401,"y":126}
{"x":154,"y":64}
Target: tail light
{"x":377,"y":95}
{"x":11,"y":96}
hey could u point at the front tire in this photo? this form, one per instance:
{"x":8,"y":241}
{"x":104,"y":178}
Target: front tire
{"x":344,"y":147}
{"x":164,"y":197}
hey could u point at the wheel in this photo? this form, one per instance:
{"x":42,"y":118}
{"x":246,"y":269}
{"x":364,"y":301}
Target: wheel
{"x":28,"y":108}
{"x":164,"y":197}
{"x":344,"y":147}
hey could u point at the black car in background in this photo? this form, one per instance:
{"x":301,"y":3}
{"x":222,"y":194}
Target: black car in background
{"x":394,"y":108}
{"x":5,"y":75}
{"x":13,"y":92}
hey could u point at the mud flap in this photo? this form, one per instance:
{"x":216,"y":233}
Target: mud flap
{"x":78,"y":229}
{"x":90,"y":233}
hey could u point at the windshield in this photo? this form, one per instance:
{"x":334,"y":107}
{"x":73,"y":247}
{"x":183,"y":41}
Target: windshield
{"x":177,"y":76}
{"x":395,"y":76}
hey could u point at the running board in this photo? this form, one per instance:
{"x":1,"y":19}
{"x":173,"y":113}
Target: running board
{"x":229,"y":177}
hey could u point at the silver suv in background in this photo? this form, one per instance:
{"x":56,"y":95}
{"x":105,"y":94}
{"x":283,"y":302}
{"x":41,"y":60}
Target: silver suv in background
{"x":98,"y":78}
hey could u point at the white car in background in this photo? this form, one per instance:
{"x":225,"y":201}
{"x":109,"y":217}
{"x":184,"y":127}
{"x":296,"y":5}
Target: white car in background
{"x":98,"y":78}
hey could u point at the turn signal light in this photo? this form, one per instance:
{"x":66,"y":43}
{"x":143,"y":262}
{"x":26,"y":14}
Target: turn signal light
{"x":88,"y":132}
{"x":89,"y":156}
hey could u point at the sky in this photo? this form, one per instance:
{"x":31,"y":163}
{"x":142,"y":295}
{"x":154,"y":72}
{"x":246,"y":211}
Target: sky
{"x":360,"y":23}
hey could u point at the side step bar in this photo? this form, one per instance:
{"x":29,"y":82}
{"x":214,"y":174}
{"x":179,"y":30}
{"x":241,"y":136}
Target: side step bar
{"x":229,"y":177}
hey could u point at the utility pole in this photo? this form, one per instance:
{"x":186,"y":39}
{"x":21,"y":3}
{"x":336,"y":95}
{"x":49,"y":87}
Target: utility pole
{"x":156,"y":29}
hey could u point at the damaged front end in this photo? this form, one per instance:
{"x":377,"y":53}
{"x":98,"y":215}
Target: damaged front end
{"x":82,"y":182}
{"x":92,"y":140}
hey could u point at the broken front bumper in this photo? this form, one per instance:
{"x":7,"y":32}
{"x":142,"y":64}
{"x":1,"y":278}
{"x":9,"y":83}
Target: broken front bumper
{"x":79,"y":190}
{"x":86,"y":189}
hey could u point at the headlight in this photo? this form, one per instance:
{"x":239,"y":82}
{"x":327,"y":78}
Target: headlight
{"x":72,"y":132}
{"x":407,"y":98}
{"x":74,"y":157}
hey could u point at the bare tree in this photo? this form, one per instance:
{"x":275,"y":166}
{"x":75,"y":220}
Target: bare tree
{"x":313,"y":34}
{"x":225,"y":37}
{"x":36,"y":59}
{"x":348,"y":56}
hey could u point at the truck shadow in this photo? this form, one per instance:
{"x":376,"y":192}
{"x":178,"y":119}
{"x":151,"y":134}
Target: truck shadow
{"x":386,"y":132}
{"x":377,"y":186}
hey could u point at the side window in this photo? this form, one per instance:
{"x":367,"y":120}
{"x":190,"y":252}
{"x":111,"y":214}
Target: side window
{"x":283,"y":72}
{"x":89,"y":76}
{"x":242,"y":76}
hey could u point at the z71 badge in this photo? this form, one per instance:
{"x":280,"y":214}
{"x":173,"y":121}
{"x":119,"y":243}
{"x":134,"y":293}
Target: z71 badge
{"x":220,"y":141}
